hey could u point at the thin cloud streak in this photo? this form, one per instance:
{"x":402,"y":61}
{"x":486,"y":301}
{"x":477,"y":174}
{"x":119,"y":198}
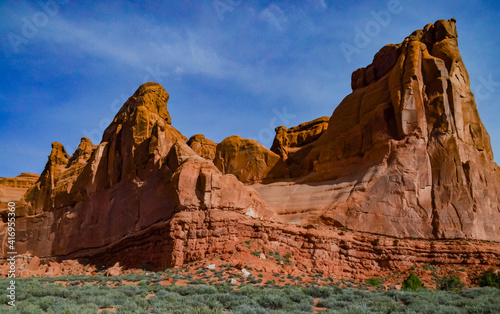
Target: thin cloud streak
{"x":182,"y":55}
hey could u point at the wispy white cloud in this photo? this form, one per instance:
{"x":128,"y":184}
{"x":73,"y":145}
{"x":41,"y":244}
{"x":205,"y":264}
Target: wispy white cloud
{"x":180,"y":52}
{"x":321,"y":4}
{"x":183,"y":53}
{"x":274,"y":16}
{"x":99,"y":41}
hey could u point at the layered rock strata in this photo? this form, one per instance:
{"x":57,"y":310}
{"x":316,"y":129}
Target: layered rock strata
{"x":13,"y":190}
{"x":290,"y":140}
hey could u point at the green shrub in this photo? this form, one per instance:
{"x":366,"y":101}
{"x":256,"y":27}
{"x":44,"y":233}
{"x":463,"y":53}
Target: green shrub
{"x":374,"y":281}
{"x":247,"y":290}
{"x":143,"y":283}
{"x":320,"y":292}
{"x":489,"y":279}
{"x":37,"y":296}
{"x":249,"y":309}
{"x":412,"y":283}
{"x":450,"y":284}
{"x":273,"y":301}
{"x":31,"y":309}
{"x":128,"y":307}
{"x":196,"y":282}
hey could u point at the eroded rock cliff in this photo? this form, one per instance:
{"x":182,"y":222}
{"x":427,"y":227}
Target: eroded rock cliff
{"x":203,"y":146}
{"x":140,"y":174}
{"x":405,"y":154}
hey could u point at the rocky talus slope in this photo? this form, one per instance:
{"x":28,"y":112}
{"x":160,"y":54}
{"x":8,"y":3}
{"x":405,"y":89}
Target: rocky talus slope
{"x":401,"y":173}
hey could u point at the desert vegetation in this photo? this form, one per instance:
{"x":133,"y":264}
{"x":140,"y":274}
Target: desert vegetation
{"x":208,"y":291}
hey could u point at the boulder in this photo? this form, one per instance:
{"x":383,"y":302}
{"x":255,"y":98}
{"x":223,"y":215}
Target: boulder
{"x":202,"y":146}
{"x":248,"y":160}
{"x":34,"y":264}
{"x":116,"y":270}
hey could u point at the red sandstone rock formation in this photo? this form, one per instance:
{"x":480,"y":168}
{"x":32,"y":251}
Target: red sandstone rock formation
{"x":292,"y":139}
{"x":13,"y":189}
{"x":404,"y":156}
{"x":141,"y":173}
{"x":248,"y":160}
{"x":203,"y":146}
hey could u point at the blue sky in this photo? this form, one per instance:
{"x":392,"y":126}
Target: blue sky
{"x":230,"y":67}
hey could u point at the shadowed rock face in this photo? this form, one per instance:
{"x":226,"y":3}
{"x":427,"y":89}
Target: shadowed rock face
{"x":404,"y":155}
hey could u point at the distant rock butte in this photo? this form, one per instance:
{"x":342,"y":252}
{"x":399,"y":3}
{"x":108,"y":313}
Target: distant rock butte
{"x":404,"y":156}
{"x":13,"y":189}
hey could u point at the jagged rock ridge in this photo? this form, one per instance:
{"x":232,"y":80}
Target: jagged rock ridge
{"x":404,"y":156}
